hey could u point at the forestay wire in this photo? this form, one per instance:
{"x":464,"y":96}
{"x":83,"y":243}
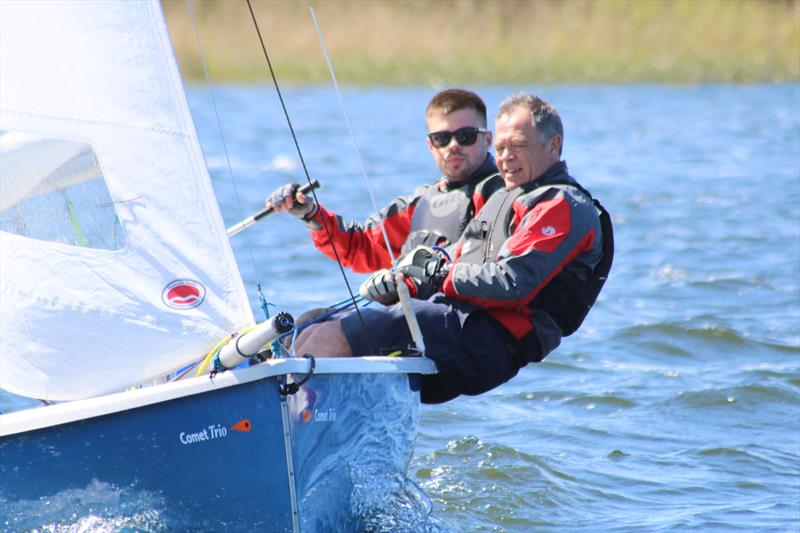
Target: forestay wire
{"x":305,"y":170}
{"x":402,"y":290}
{"x":201,"y":50}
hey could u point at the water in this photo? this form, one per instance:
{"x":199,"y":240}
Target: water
{"x":676,"y":407}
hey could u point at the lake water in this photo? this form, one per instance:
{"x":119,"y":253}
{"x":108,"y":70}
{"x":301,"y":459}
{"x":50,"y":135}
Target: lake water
{"x":677,"y":406}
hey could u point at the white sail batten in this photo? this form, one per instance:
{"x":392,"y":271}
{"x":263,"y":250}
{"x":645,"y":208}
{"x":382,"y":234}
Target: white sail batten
{"x":98,"y":294}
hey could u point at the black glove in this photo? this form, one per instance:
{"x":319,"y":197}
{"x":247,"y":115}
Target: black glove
{"x":426,"y":270}
{"x":284,"y":198}
{"x":380,"y":287}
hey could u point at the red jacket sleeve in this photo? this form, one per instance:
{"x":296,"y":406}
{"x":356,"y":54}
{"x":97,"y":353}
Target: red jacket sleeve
{"x":362,"y":247}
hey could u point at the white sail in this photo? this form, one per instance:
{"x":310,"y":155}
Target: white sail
{"x":114,"y":262}
{"x":33,"y":165}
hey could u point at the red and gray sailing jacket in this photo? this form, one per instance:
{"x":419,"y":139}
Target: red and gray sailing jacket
{"x":535,"y":259}
{"x":435,"y":214}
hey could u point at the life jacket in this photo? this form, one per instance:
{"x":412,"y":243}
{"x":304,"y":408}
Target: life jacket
{"x":440,"y":216}
{"x":566,"y":298}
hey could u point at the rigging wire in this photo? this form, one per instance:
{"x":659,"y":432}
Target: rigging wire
{"x":227,"y":155}
{"x":350,"y":131}
{"x":305,"y":169}
{"x":402,"y":290}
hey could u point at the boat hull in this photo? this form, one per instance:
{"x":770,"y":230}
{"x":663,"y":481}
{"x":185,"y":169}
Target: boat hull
{"x":214,"y":457}
{"x":184,"y":452}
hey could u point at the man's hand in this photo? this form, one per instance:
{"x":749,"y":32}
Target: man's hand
{"x":380,"y":287}
{"x":425,"y":269}
{"x":287,"y":198}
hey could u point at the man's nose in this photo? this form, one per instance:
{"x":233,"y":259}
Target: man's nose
{"x":453,"y":144}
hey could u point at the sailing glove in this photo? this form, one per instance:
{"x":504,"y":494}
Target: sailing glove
{"x":424,"y":270}
{"x":380,"y":287}
{"x":284,"y":198}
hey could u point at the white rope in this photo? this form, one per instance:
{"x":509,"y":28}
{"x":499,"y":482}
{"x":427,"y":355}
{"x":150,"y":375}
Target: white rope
{"x":402,"y":290}
{"x":222,"y":135}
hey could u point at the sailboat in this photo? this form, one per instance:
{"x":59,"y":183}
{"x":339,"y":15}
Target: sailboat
{"x":116,"y":272}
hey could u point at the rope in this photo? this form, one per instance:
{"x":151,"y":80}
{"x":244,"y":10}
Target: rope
{"x":402,"y":290}
{"x":293,"y":388}
{"x":214,"y":352}
{"x":334,"y":309}
{"x":75,"y":223}
{"x":350,"y":130}
{"x":303,"y":163}
{"x":224,"y":142}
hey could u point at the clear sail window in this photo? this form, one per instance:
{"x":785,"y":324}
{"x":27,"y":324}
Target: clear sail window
{"x":54,"y":190}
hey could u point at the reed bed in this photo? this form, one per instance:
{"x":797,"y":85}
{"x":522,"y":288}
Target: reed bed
{"x":450,"y":42}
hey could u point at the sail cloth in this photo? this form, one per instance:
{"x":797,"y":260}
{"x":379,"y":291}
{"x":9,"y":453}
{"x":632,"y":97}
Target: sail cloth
{"x":92,"y":107}
{"x":34,"y":165}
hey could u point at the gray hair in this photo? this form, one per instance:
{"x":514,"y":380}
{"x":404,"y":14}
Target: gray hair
{"x":544,"y":117}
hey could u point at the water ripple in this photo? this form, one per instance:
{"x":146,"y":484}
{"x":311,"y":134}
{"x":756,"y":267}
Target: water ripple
{"x":751,"y":395}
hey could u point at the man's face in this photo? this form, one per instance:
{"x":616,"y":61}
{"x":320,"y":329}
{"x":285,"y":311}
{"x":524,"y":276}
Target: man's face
{"x":521,"y":156}
{"x":455,"y":161}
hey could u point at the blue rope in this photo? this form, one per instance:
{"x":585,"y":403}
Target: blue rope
{"x":263,"y":301}
{"x":442,"y":251}
{"x":335,"y":308}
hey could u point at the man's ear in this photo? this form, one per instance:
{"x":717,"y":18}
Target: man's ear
{"x":489,"y":139}
{"x":555,"y":143}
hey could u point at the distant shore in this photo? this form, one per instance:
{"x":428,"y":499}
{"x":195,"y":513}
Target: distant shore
{"x":473,"y":42}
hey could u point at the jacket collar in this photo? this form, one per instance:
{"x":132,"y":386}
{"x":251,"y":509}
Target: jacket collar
{"x":557,"y":173}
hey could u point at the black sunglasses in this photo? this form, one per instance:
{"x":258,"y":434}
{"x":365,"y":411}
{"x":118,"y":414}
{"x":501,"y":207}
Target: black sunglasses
{"x":464,"y":136}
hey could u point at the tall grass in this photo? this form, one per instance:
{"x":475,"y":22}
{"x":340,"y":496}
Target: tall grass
{"x":448,"y":42}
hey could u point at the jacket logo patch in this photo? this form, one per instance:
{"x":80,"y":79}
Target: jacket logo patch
{"x":183,"y":294}
{"x":446,"y":204}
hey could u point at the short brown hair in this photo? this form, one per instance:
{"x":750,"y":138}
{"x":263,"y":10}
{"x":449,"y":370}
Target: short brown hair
{"x":544,"y":117}
{"x":450,"y":100}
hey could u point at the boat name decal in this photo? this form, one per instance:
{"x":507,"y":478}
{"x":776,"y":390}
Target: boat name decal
{"x":319,"y":415}
{"x":183,"y":294}
{"x":212,"y":432}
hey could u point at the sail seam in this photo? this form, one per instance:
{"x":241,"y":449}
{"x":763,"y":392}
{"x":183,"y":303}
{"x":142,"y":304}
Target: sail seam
{"x":96,"y":122}
{"x":54,"y":303}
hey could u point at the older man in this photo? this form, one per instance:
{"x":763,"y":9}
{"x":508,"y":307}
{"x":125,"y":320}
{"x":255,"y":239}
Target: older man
{"x":526,"y":270}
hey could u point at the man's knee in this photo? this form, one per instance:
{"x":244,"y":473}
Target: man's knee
{"x":326,"y":339}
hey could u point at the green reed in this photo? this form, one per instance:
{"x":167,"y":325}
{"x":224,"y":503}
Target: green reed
{"x":449,"y":42}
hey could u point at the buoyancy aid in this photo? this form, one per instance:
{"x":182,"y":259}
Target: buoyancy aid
{"x":440,"y":217}
{"x":568,"y":297}
{"x":444,"y":210}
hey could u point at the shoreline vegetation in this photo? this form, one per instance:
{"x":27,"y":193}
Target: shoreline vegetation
{"x":473,"y":42}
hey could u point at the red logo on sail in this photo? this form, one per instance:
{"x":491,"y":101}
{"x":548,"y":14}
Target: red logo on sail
{"x":183,"y":294}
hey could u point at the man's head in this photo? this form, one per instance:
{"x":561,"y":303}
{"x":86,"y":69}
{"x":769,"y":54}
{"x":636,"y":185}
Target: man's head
{"x":457,"y":135}
{"x":529,"y":137}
